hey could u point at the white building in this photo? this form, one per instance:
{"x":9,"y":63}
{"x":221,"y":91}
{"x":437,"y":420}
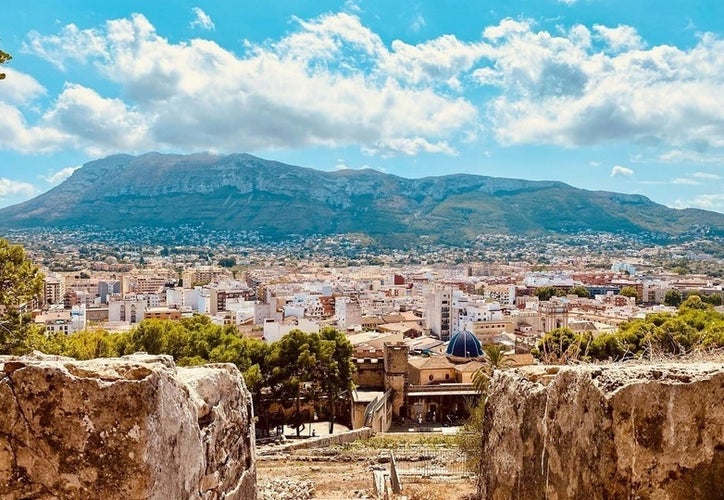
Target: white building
{"x":53,"y":289}
{"x":126,"y":310}
{"x":347,"y":312}
{"x":274,"y":330}
{"x":438,"y":312}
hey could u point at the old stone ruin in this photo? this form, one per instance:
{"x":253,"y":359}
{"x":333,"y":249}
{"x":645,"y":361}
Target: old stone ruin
{"x":140,"y":427}
{"x":617,"y":431}
{"x":131,"y":428}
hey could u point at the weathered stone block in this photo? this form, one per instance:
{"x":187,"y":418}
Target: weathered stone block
{"x":132,"y":427}
{"x":616,"y":431}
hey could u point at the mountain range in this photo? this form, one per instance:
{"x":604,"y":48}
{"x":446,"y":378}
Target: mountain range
{"x":241,"y":191}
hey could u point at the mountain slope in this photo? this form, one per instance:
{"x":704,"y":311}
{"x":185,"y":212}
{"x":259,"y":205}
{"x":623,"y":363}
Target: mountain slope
{"x":241,"y":191}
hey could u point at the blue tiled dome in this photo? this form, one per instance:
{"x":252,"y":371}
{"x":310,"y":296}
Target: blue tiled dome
{"x":464,"y":345}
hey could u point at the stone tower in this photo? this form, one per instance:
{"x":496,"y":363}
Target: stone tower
{"x":553,"y":315}
{"x":396,"y":374}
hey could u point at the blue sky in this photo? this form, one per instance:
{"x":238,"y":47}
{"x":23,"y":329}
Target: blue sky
{"x":623,"y":96}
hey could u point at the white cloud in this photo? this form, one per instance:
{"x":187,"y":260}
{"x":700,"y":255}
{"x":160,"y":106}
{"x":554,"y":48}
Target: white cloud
{"x":567,"y":2}
{"x":17,"y":135}
{"x":706,"y":176}
{"x":439,"y":60}
{"x":706,"y":201}
{"x":202,"y":20}
{"x":70,"y":44}
{"x":332,"y":81}
{"x":418,"y":23}
{"x":560,"y":90}
{"x":507,"y":28}
{"x":687,"y":156}
{"x":99,"y":124}
{"x":59,"y":176}
{"x":325,"y":84}
{"x":352,"y":6}
{"x":619,"y":38}
{"x":10,"y":187}
{"x":686,"y":181}
{"x":409,"y":147}
{"x":19,"y":88}
{"x":618,"y":170}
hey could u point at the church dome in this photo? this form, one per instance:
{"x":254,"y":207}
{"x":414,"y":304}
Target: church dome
{"x":464,"y":345}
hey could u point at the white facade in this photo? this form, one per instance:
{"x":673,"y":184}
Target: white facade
{"x":126,"y":310}
{"x":273,"y":330}
{"x":438,"y":313}
{"x":348,"y":313}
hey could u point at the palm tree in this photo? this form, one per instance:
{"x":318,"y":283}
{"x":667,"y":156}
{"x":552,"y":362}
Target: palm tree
{"x":495,"y":359}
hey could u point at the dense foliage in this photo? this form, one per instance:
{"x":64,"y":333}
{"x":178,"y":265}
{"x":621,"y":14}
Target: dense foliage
{"x":20,"y":282}
{"x":313,"y":366}
{"x":696,"y":326}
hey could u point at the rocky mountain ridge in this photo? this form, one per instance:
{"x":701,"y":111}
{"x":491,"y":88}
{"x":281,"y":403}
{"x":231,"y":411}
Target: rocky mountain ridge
{"x":240,"y":191}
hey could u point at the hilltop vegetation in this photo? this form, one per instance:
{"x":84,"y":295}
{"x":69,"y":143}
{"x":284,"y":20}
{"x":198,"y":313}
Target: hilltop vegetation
{"x":696,"y":326}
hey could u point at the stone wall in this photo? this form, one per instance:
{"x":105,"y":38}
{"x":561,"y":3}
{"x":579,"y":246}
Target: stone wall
{"x":614,"y":431}
{"x":132,"y":427}
{"x":318,"y":441}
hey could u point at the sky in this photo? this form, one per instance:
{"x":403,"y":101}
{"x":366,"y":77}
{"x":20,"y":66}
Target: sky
{"x":624,"y":96}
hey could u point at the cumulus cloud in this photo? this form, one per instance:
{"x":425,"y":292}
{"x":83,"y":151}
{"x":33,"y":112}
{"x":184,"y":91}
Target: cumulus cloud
{"x":198,"y":95}
{"x":202,"y":20}
{"x":71,"y":44}
{"x":562,"y":90}
{"x":59,"y":176}
{"x":440,"y":60}
{"x":103,"y":124}
{"x":16,"y":134}
{"x":10,"y":188}
{"x":619,"y":171}
{"x":19,"y":88}
{"x":619,"y":38}
{"x":332,"y":81}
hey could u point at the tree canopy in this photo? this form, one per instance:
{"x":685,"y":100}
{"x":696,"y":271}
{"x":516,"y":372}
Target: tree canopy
{"x":695,"y":326}
{"x":314,"y":367}
{"x":20,"y":279}
{"x":545,"y":292}
{"x":579,"y":290}
{"x":20,"y":282}
{"x":672,"y":298}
